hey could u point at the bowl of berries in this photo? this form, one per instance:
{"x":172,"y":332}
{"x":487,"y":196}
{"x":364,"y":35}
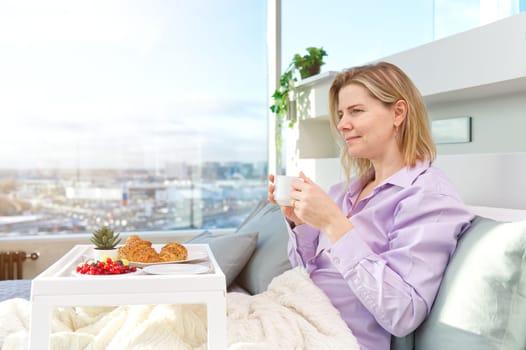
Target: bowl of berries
{"x":106,"y":266}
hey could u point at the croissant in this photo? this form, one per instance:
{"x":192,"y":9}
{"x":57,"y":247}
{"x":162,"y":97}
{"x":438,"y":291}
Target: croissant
{"x":173,"y":252}
{"x":139,"y":250}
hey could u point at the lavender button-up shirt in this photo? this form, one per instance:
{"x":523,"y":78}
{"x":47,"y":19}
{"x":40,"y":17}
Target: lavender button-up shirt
{"x":383,"y":275}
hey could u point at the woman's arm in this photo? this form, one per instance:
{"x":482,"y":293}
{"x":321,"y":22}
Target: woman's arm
{"x":302,"y":245}
{"x":399,"y":285}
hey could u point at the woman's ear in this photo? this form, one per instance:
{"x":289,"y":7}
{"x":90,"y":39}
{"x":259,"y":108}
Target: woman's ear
{"x":400,"y":112}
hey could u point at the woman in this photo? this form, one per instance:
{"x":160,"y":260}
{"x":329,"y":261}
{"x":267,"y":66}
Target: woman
{"x":377,"y":244}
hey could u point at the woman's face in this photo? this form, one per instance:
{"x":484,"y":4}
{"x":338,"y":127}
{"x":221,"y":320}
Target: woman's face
{"x":366,"y":124}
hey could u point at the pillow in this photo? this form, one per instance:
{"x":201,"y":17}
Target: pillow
{"x":270,"y":258}
{"x":404,"y":343}
{"x":231,"y":251}
{"x":481,"y":303}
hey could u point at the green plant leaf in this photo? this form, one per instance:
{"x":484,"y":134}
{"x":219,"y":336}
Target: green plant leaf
{"x":105,"y":238}
{"x":306,"y":65}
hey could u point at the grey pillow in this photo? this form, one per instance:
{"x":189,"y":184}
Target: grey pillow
{"x":481,"y":303}
{"x":404,"y":343}
{"x":231,"y":251}
{"x":270,"y":258}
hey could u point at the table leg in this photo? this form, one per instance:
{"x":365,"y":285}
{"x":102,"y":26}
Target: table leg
{"x":216,"y":308}
{"x":39,"y":326}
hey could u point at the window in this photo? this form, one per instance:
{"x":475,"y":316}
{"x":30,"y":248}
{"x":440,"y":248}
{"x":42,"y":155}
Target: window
{"x":141,"y":115}
{"x":356,"y":32}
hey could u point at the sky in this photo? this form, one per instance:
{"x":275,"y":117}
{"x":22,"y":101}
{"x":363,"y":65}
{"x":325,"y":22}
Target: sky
{"x":360,"y":31}
{"x":144,"y":83}
{"x":149,"y":81}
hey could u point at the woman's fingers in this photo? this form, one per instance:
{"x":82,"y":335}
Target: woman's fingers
{"x":305,"y":178}
{"x":271,"y":189}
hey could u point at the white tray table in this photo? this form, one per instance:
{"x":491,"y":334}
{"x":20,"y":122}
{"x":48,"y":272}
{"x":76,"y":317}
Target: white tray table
{"x":57,"y":286}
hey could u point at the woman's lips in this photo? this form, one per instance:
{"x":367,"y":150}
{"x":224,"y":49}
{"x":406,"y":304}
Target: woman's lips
{"x":350,"y":139}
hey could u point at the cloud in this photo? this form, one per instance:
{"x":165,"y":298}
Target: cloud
{"x":98,"y":83}
{"x":129,"y":132}
{"x":64,"y":21}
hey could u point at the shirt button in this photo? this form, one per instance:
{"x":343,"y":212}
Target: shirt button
{"x":336,"y":260}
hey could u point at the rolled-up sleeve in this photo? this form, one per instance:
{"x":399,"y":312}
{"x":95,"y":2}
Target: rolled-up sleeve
{"x":398,"y":283}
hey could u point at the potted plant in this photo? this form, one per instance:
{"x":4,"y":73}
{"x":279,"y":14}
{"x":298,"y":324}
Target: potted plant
{"x":284,"y":95}
{"x":306,"y":66}
{"x":310,"y":64}
{"x":105,"y":241}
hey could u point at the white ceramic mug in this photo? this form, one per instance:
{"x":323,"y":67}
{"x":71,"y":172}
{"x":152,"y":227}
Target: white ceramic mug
{"x":282,"y":189}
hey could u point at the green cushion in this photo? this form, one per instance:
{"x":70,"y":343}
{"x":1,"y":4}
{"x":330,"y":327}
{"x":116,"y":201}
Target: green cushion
{"x":481,"y":303}
{"x":270,"y":258}
{"x":230,"y":251}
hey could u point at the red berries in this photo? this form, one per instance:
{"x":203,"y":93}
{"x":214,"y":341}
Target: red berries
{"x":105,"y":267}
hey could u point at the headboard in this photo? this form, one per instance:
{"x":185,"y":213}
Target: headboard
{"x":496,"y":180}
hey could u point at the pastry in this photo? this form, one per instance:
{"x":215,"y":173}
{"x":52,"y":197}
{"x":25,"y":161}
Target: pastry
{"x":139,"y":250}
{"x":173,"y":252}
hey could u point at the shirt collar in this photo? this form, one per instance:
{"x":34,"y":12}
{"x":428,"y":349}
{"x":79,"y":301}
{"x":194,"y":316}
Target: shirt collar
{"x":404,"y":177}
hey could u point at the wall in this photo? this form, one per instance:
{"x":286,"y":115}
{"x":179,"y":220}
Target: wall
{"x":498,"y":124}
{"x":479,"y":73}
{"x":487,"y":179}
{"x":486,"y":60}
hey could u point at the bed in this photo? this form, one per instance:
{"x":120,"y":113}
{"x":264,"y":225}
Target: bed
{"x":481,"y":303}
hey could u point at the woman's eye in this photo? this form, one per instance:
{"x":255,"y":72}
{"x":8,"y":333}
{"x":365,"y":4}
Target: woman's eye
{"x":356,"y":111}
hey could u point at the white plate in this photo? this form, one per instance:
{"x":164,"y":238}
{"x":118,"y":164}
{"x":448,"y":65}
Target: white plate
{"x":137,"y":272}
{"x":176,"y":269}
{"x":192,"y":256}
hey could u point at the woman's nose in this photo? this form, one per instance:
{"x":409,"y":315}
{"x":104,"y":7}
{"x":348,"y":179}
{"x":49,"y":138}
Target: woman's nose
{"x":344,"y":124}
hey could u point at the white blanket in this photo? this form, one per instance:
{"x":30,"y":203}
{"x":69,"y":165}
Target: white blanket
{"x":292,"y":314}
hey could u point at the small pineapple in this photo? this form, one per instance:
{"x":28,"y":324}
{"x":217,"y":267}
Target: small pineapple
{"x":105,"y":238}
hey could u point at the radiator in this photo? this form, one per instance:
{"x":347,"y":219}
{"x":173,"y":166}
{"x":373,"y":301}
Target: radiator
{"x":12,"y":264}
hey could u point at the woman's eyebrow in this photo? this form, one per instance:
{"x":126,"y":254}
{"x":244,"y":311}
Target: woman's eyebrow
{"x":351,"y":106}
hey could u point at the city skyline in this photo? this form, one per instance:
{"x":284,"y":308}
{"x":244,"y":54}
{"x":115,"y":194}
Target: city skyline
{"x":217,"y":195}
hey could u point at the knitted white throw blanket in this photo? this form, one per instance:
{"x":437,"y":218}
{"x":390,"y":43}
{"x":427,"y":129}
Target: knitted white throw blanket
{"x":292,"y":314}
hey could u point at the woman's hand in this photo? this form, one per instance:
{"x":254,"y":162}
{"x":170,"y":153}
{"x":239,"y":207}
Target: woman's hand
{"x":286,"y":210}
{"x":313,"y":206}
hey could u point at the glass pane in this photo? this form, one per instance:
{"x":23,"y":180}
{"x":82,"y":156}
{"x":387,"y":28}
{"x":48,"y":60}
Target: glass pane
{"x":142,"y":115}
{"x":452,"y":17}
{"x":355,"y":32}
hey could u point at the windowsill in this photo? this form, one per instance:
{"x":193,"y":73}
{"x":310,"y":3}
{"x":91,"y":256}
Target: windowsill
{"x":176,"y":235}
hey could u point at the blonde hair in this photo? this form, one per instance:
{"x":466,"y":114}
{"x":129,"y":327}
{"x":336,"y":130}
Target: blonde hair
{"x":388,"y":84}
